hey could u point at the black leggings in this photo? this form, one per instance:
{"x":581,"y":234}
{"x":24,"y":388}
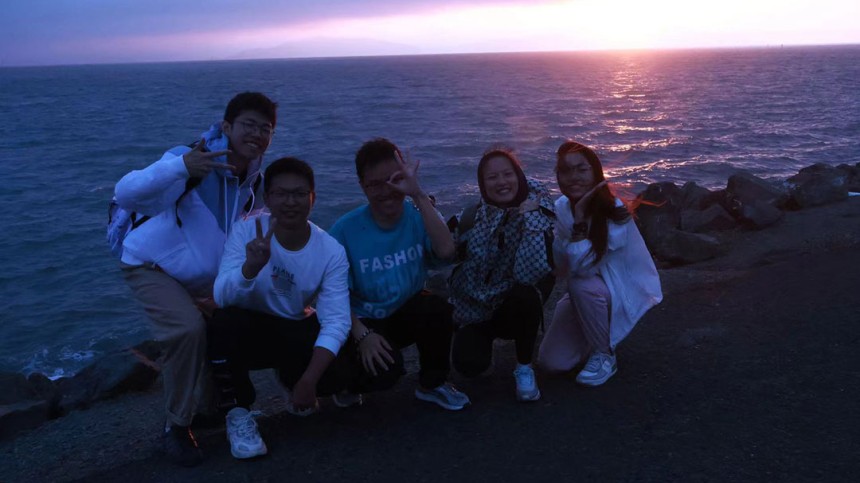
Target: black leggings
{"x":517,"y":319}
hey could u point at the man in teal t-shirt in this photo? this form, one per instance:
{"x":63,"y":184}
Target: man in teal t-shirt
{"x":389,"y":243}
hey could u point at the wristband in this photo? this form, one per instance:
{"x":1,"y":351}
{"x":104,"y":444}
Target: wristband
{"x":363,"y":336}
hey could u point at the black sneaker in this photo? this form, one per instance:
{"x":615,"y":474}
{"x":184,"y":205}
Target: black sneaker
{"x":181,"y":447}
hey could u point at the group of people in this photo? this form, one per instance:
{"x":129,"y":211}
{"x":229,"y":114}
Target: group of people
{"x":234,"y":277}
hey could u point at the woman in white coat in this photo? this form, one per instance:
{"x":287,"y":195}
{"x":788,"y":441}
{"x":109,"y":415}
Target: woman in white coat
{"x":600,"y":256}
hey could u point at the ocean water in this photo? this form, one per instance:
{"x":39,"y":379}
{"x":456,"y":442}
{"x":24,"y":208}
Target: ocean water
{"x":69,"y":133}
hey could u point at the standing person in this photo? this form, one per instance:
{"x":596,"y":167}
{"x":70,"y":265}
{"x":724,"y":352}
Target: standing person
{"x":191,"y":198}
{"x":504,"y":272}
{"x":389,"y":243}
{"x":610,"y":277}
{"x":267,"y":284}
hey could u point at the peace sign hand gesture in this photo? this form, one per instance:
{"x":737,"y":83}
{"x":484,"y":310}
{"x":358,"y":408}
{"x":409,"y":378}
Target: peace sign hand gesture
{"x":259,"y":250}
{"x":199,"y":162}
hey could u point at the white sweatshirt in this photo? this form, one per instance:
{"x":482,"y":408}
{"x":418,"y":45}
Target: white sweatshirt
{"x":291,"y":281}
{"x":626,"y":268}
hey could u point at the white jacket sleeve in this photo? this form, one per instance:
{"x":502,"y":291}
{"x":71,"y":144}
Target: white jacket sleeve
{"x":230,"y":285}
{"x":155,"y":188}
{"x":333,"y":309}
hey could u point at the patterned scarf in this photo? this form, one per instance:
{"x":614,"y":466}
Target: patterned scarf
{"x":503,"y":248}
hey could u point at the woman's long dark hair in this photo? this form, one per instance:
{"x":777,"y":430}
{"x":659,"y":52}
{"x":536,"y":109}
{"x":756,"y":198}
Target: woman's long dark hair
{"x":602,"y":206}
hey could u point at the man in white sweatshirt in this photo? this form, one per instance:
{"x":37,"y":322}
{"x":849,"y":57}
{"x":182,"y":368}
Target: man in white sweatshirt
{"x":185,"y":204}
{"x":275,"y":267}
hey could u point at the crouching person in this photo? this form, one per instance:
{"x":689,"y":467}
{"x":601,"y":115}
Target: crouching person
{"x":274,"y":267}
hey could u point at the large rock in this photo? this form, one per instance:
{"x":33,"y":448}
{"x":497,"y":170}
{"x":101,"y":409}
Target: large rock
{"x":680,"y":248}
{"x":759,"y":214}
{"x":658,"y":210}
{"x":26,"y":402}
{"x":852,"y":176}
{"x":695,"y":197}
{"x":127,"y":370}
{"x":713,"y":218}
{"x":746,"y":189}
{"x":818,"y":184}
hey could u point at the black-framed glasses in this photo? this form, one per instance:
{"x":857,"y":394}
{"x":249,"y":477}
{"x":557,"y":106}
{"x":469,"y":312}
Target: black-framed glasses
{"x":252,"y":127}
{"x":282,"y":195}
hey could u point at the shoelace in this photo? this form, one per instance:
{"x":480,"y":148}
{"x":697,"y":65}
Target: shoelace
{"x":248,"y":427}
{"x":594,"y":363}
{"x":525,"y":378}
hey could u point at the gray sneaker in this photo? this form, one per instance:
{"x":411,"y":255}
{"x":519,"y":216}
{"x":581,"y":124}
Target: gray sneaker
{"x":445,"y":395}
{"x":599,"y":368}
{"x":527,"y":389}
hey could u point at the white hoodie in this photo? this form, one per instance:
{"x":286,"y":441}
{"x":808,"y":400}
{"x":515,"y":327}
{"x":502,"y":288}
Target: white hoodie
{"x":189,"y":253}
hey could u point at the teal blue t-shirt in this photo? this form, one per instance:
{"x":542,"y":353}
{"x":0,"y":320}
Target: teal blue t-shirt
{"x":386,"y":267}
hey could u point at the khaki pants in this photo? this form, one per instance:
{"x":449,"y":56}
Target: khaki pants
{"x":179,"y":325}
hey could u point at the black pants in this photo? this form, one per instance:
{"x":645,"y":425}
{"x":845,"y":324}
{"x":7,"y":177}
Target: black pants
{"x":517,"y":319}
{"x":241,"y":340}
{"x":424,"y":320}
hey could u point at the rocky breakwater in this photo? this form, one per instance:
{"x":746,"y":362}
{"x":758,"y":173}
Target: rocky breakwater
{"x":687,"y":224}
{"x":681,"y":225}
{"x":28,"y":401}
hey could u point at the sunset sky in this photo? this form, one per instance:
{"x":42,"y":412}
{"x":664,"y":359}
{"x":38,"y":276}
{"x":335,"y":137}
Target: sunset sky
{"x":47,"y":32}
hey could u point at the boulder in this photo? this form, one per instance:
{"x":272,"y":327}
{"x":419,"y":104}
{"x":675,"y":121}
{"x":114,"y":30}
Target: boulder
{"x":680,"y":248}
{"x":695,"y":197}
{"x":745,"y":189}
{"x":852,"y":176}
{"x":26,"y":402}
{"x":759,"y":214}
{"x":818,"y":184}
{"x":658,"y":210}
{"x":713,"y":218}
{"x":114,"y":374}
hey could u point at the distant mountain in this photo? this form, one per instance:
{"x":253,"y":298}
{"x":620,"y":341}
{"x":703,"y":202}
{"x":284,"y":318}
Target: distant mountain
{"x":324,"y":47}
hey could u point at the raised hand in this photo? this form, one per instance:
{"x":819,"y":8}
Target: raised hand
{"x":579,"y":207}
{"x":259,"y":250}
{"x":405,"y":180}
{"x":199,"y":162}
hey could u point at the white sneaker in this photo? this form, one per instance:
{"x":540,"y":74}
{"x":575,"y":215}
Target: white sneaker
{"x":527,"y":389}
{"x":287,"y":396}
{"x":245,"y":440}
{"x":345,"y":399}
{"x":599,"y":368}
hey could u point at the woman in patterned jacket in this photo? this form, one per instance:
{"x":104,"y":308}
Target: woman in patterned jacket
{"x":504,"y":269}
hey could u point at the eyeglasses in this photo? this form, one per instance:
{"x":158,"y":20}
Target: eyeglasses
{"x":252,"y":127}
{"x":283,"y":195}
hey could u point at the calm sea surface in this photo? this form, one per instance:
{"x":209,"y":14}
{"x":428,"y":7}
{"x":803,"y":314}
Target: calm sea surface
{"x":69,"y":133}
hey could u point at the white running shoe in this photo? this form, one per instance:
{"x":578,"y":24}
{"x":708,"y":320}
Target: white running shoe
{"x":599,"y":368}
{"x":527,"y":389}
{"x":245,"y":440}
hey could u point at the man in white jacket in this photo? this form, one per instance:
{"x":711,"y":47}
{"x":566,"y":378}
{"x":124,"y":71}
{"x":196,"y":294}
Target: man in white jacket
{"x":275,"y":267}
{"x":189,"y":199}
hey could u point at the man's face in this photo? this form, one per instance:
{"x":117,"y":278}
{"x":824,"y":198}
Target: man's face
{"x":290,"y":200}
{"x":250,"y":134}
{"x":386,"y":203}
